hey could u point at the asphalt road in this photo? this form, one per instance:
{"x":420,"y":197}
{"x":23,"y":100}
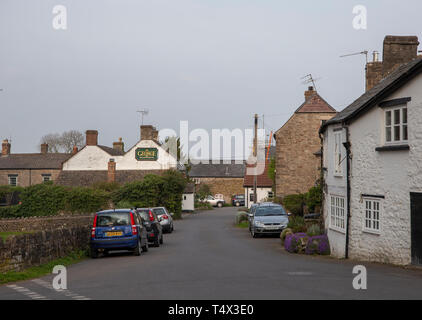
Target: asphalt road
{"x":207,"y":257}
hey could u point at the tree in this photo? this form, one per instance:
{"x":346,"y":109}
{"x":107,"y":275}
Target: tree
{"x":203,"y":191}
{"x":63,"y":142}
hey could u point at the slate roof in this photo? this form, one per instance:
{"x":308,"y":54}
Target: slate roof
{"x":315,"y":104}
{"x":220,"y":170}
{"x":262,"y":181}
{"x":112,"y":151}
{"x":86,"y":178}
{"x":383,"y":89}
{"x":33,"y":161}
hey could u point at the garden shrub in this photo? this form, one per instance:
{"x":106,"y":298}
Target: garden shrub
{"x":314,"y":230}
{"x":294,"y":203}
{"x":82,"y":200}
{"x":106,"y":186}
{"x":296,"y":243}
{"x":124,"y":204}
{"x":284,"y":234}
{"x":297,"y":224}
{"x":241,"y":216}
{"x":313,"y":198}
{"x":10,"y":212}
{"x":318,"y":245}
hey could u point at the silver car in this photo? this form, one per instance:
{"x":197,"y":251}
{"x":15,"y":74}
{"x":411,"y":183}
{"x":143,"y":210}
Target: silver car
{"x":268,"y":218}
{"x":165,"y":218}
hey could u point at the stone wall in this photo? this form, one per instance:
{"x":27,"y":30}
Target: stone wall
{"x":225,"y":186}
{"x":45,"y":223}
{"x":298,"y":168}
{"x":23,"y":251}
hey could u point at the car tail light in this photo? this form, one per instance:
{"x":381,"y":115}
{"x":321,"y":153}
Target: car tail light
{"x":151,"y":216}
{"x":94,"y":225}
{"x":134,"y":228}
{"x":164,"y":216}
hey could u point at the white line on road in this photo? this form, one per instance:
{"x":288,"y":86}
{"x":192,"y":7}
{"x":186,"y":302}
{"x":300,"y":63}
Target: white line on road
{"x":66,"y":292}
{"x":31,"y":294}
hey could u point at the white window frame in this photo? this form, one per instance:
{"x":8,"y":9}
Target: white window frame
{"x":337,"y":213}
{"x":338,"y":154}
{"x":372,"y":213}
{"x":46,"y":177}
{"x":13,"y":176}
{"x":401,"y":125}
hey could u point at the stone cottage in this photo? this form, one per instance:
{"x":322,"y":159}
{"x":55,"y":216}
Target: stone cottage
{"x":26,"y":169}
{"x":372,"y":153}
{"x":298,"y":146}
{"x":223,"y":177}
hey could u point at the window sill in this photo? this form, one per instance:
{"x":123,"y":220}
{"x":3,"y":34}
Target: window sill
{"x":373,"y":232}
{"x":400,"y":147}
{"x":339,"y":230}
{"x":338,"y":175}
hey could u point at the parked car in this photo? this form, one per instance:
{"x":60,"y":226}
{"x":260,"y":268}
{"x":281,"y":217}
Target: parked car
{"x":215,"y":201}
{"x":152,"y":224}
{"x":250,"y":215}
{"x":118,"y":230}
{"x":238,"y":200}
{"x":165,"y":218}
{"x":268,"y":218}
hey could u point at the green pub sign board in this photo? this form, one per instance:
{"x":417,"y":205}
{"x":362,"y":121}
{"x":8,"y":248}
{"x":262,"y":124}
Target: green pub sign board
{"x":146,"y":154}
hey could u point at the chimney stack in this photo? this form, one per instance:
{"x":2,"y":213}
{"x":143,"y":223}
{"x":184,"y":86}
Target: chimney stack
{"x":111,"y":173}
{"x":5,"y":148}
{"x":75,"y":150}
{"x":397,"y":50}
{"x":44,"y":148}
{"x":91,"y":137}
{"x":147,"y":132}
{"x":309,"y":93}
{"x":119,"y":145}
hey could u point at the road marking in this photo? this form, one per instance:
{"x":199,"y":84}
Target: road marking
{"x":31,"y":294}
{"x":66,"y":292}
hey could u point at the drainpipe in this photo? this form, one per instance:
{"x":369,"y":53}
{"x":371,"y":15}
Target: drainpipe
{"x":347,"y":145}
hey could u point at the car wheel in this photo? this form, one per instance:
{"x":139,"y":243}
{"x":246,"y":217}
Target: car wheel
{"x":94,"y":253}
{"x":137,"y":251}
{"x":254,"y":235}
{"x":161,"y":239}
{"x":145,"y":247}
{"x":172,"y":228}
{"x":237,"y":204}
{"x":220,"y":204}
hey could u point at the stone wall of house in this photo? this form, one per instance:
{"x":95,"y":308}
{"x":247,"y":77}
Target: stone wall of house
{"x":225,"y":186}
{"x":45,"y":223}
{"x":298,"y":168}
{"x":23,"y":251}
{"x":28,"y":177}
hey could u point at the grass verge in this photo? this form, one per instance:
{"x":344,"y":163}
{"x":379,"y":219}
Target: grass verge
{"x":243,"y":225}
{"x":44,"y":269}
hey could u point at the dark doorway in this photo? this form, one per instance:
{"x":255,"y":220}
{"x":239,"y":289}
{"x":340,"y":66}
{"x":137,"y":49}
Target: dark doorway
{"x":416,"y":227}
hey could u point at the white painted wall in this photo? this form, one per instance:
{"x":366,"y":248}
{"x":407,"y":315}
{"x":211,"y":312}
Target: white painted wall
{"x":94,"y":158}
{"x":337,"y":186}
{"x":393,"y":174}
{"x":261,"y":194}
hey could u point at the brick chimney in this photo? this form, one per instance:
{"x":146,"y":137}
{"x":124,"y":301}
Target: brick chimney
{"x":147,"y":132}
{"x":397,"y":50}
{"x":111,"y":173}
{"x":119,"y":145}
{"x":5,"y":148}
{"x":44,"y":148}
{"x":75,"y":150}
{"x":309,"y":93}
{"x":155,"y":134}
{"x":91,"y":137}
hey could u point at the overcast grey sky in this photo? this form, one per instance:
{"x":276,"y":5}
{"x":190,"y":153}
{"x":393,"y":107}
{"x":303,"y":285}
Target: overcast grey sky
{"x":212,"y":62}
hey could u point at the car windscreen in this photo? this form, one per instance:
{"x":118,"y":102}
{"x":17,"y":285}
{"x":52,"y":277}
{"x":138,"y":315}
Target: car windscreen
{"x":159,"y":211}
{"x":144,"y":214}
{"x":240,"y":197}
{"x":113,"y":219}
{"x":270,"y":211}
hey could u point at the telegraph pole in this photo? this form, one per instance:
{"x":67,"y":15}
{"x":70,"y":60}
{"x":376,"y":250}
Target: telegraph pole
{"x":255,"y":153}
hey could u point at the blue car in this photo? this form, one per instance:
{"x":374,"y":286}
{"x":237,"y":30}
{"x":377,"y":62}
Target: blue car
{"x":118,"y":230}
